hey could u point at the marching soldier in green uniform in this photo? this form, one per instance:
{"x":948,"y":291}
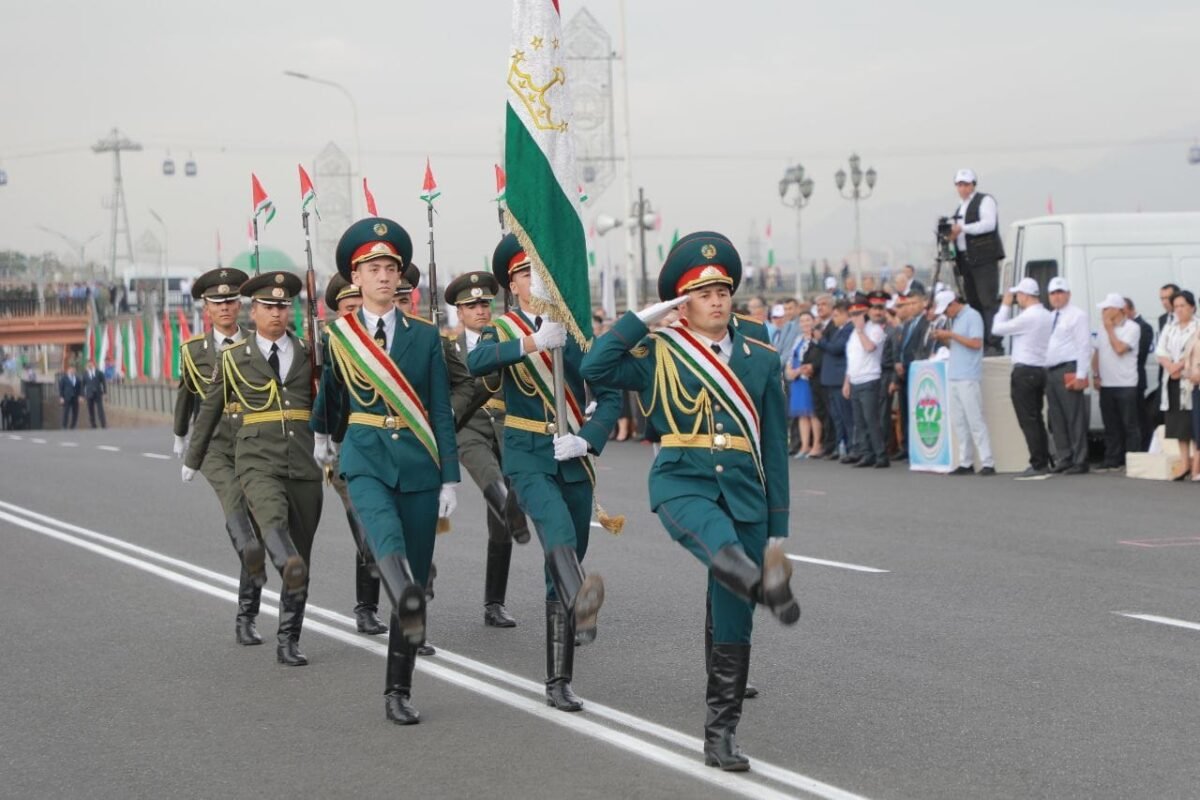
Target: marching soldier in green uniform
{"x":547,"y":460}
{"x":720,"y":482}
{"x":344,"y":298}
{"x":218,"y":288}
{"x":479,"y":412}
{"x":385,"y":382}
{"x":264,"y":384}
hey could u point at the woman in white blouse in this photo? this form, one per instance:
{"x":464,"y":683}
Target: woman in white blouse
{"x":1174,"y":348}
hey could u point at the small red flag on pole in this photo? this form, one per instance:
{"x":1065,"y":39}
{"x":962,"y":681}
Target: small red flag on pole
{"x":371,"y":209}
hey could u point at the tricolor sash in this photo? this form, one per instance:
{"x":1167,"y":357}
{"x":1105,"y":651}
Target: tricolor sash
{"x":540,"y":368}
{"x":356,"y":352}
{"x":718,"y":379}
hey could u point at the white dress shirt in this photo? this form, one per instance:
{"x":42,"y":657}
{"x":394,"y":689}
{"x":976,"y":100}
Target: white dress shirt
{"x":1070,"y":340}
{"x":472,"y":339}
{"x":219,"y":338}
{"x":1118,"y":370}
{"x":284,"y":343}
{"x":862,"y":365}
{"x":1030,"y":332}
{"x":722,"y":349}
{"x":985,"y":224}
{"x":389,"y":325}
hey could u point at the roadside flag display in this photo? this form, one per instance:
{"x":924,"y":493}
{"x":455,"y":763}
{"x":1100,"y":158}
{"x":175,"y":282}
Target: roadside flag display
{"x":770,"y":246}
{"x":262,"y":203}
{"x":371,"y":209}
{"x":308,"y":195}
{"x":429,"y":188}
{"x":539,"y":155}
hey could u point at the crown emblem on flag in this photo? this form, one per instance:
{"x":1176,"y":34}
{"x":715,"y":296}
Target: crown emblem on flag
{"x":533,"y":96}
{"x":380,"y":229}
{"x":708,"y":251}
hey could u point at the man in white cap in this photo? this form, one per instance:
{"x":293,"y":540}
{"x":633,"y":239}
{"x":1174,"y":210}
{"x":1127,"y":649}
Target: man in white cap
{"x":1115,"y":371}
{"x":965,"y":373}
{"x":1030,"y":332}
{"x":1068,"y":357}
{"x":976,"y":235}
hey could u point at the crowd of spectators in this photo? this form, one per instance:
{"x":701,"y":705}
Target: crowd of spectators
{"x":63,"y":297}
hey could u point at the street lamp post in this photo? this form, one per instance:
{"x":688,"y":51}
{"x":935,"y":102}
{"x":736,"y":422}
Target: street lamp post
{"x":353,"y":108}
{"x":76,"y":245}
{"x":159,"y":219}
{"x":794,"y":177}
{"x":857,"y":178}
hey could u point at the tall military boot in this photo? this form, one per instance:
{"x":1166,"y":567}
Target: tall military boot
{"x":291,"y":618}
{"x":248,"y":600}
{"x":751,"y":691}
{"x":407,"y":596}
{"x":286,"y":559}
{"x":502,"y":507}
{"x":248,"y":547}
{"x":361,"y":544}
{"x":397,"y":693}
{"x":366,"y":587}
{"x":770,"y":586}
{"x":581,"y":595}
{"x":727,"y":670}
{"x":560,"y":658}
{"x":495,"y":585}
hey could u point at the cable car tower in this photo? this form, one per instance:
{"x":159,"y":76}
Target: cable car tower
{"x":116,"y":143}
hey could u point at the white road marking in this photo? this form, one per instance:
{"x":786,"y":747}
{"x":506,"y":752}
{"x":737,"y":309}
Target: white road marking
{"x":1174,"y":623}
{"x":67,"y":444}
{"x":14,"y":436}
{"x":737,"y":784}
{"x":839,"y":564}
{"x":38,"y":441}
{"x":110,"y":448}
{"x":157,"y":455}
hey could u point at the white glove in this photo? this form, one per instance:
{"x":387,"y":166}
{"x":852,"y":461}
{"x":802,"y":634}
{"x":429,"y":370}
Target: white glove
{"x":324,"y":453}
{"x":180,"y":447}
{"x":652,"y":314}
{"x":569,"y":446}
{"x":550,"y":335}
{"x":188,"y":474}
{"x":591,"y":409}
{"x":447,"y":500}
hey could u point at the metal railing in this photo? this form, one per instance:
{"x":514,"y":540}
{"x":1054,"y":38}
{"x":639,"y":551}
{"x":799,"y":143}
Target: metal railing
{"x":52,"y":306}
{"x":154,"y":397}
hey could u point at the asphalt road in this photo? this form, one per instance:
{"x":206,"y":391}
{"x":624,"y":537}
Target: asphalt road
{"x":965,"y":637}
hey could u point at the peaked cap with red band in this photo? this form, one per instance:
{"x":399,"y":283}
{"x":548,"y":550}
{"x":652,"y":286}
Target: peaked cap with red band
{"x":373,"y":237}
{"x":508,"y":258}
{"x":699,"y":259}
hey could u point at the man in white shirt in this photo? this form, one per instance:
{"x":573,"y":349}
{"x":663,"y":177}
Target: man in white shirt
{"x":864,"y":354}
{"x":1030,"y":332}
{"x":1068,"y":356}
{"x":1116,"y":377}
{"x":976,"y":234}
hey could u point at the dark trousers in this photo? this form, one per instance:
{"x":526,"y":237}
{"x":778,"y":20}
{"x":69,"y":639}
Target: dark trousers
{"x":902,"y":404}
{"x":1068,"y":418}
{"x":70,"y":415}
{"x":981,"y":289}
{"x":821,"y":409}
{"x":864,"y":397}
{"x":1027,"y":386}
{"x":96,"y":406}
{"x":842,"y":417}
{"x":885,"y":411}
{"x":1122,"y":430}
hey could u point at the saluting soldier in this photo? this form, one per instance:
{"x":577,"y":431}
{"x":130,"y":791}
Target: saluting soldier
{"x":345,"y":298}
{"x":218,"y":289}
{"x":386,"y":377}
{"x":479,"y":414}
{"x":720,"y":482}
{"x":265,"y":385}
{"x":547,"y":460}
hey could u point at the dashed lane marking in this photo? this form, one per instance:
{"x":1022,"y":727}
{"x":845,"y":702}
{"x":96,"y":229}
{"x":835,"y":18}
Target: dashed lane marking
{"x":839,"y":564}
{"x":157,"y":455}
{"x":1171,"y":621}
{"x":108,"y":447}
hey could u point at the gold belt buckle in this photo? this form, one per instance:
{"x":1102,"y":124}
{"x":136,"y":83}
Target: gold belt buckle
{"x":551,"y":428}
{"x":720,"y":441}
{"x":390,"y":422}
{"x":233,"y":408}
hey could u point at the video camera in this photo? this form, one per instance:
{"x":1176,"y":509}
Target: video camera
{"x":946,"y":250}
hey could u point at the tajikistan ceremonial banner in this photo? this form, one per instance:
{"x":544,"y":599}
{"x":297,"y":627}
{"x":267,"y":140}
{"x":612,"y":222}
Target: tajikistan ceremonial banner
{"x":930,"y":443}
{"x":542,"y":191}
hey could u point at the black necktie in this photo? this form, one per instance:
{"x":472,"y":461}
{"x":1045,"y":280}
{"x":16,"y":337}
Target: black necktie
{"x":716,"y":348}
{"x":273,"y":360}
{"x":1054,"y":324}
{"x":537,"y":323}
{"x":381,"y":335}
{"x":226,"y":341}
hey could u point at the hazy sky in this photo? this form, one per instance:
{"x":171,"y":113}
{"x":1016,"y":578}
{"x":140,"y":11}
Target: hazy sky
{"x":1094,"y":104}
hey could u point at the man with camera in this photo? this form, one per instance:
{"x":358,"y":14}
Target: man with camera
{"x":976,"y":235}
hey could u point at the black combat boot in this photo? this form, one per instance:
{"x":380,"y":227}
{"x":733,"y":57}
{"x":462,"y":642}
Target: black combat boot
{"x":291,"y":618}
{"x":727,"y":670}
{"x":248,"y":600}
{"x":581,"y":595}
{"x":770,"y":585}
{"x":367,"y":594}
{"x":495,"y":585}
{"x":560,"y":658}
{"x":407,"y":596}
{"x":397,"y":694}
{"x":286,"y":559}
{"x":751,"y":691}
{"x":248,"y":546}
{"x":502,"y":507}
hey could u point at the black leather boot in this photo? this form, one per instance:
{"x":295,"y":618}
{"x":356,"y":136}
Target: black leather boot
{"x":751,"y":691}
{"x":502,"y":508}
{"x":249,"y":594}
{"x":360,"y":541}
{"x":495,"y":585}
{"x":581,"y":595}
{"x":407,"y":596}
{"x":727,"y":669}
{"x":248,"y":546}
{"x":367,"y":594}
{"x":518,"y":523}
{"x":770,"y":585}
{"x":286,"y":559}
{"x":560,"y":658}
{"x":291,"y":618}
{"x":397,"y":693}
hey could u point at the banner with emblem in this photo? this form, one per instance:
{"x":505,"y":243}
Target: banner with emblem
{"x":930,"y":438}
{"x":542,"y":191}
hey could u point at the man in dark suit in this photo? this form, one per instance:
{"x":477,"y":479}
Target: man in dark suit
{"x":913,"y":332}
{"x":833,"y":373}
{"x":94,"y":389}
{"x":69,"y":389}
{"x":1146,"y":405}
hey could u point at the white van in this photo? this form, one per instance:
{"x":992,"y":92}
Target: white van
{"x":1133,"y":255}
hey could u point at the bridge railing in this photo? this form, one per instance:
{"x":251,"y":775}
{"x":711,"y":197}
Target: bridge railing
{"x":155,"y":397}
